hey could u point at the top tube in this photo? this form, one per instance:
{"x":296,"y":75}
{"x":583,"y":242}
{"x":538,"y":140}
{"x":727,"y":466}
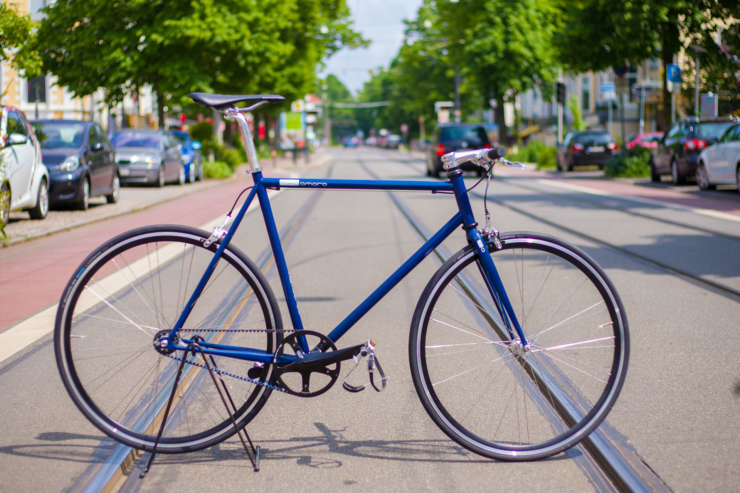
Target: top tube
{"x":331,"y":184}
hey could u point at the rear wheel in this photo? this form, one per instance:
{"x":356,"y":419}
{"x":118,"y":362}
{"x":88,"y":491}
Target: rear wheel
{"x":489,"y":393}
{"x":112,"y":312}
{"x":654,"y":176}
{"x":676,"y":176}
{"x":112,"y":198}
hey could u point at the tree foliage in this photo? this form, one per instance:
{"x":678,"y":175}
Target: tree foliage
{"x":15,"y":33}
{"x":179,"y":46}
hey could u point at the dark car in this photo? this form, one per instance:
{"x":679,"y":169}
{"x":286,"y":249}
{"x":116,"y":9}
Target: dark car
{"x":80,"y":161}
{"x":678,"y":152}
{"x":149,"y":156}
{"x":590,"y":147}
{"x":350,"y":141}
{"x":192,"y":158}
{"x":448,"y":137}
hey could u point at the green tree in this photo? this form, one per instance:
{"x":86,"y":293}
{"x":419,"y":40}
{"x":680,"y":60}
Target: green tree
{"x":598,"y":34}
{"x":16,"y":34}
{"x":178,"y":46}
{"x":506,"y":45}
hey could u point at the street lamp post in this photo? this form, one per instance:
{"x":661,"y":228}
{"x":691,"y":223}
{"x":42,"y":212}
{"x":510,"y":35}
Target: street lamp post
{"x":697,"y":49}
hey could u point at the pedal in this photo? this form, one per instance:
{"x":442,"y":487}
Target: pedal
{"x":372,"y":365}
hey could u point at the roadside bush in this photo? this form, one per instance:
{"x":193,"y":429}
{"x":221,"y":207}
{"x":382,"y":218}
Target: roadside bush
{"x":232,"y":157}
{"x":217,"y":169}
{"x":546,"y":159}
{"x":202,"y":132}
{"x":629,"y":164}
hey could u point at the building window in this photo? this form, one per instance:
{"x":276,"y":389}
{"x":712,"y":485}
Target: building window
{"x":586,"y":93}
{"x":37,"y":90}
{"x":36,"y":5}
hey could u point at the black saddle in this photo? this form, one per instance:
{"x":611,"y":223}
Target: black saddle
{"x":220,"y":101}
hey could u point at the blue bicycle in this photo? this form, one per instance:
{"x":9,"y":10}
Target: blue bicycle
{"x":518,"y":346}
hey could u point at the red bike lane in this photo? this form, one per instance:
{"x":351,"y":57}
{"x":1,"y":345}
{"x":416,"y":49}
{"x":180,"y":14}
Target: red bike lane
{"x":33,"y":274}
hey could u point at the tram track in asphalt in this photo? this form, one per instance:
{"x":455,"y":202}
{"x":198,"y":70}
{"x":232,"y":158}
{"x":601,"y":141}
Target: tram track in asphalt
{"x":687,"y":276}
{"x":609,"y":451}
{"x":122,"y":465}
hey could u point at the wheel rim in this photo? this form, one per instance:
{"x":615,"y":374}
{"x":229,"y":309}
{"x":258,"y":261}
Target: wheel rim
{"x":116,"y":187}
{"x":44,"y":198}
{"x":4,"y":205}
{"x":116,"y":376}
{"x":495,"y":404}
{"x":85,"y":194}
{"x":701,"y":177}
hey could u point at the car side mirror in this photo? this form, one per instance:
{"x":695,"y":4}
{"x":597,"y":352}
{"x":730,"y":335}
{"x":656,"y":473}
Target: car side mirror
{"x":97,"y":147}
{"x":195,"y":145}
{"x":16,"y":139}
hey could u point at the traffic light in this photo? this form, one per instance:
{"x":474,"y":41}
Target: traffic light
{"x":560,"y":91}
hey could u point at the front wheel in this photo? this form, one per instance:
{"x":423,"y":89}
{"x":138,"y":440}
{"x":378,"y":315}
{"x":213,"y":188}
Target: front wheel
{"x":493,"y":395}
{"x":702,"y":178}
{"x":42,"y":202}
{"x":114,"y":309}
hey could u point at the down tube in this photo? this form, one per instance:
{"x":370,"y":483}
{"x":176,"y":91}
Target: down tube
{"x":396,"y":277}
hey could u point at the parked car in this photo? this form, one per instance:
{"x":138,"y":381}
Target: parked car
{"x":350,"y":141}
{"x":647,"y":140}
{"x":590,"y":147}
{"x":448,"y":137}
{"x":149,"y":156}
{"x":719,"y":164}
{"x":192,"y":159}
{"x":80,"y":160}
{"x":24,"y":180}
{"x":393,"y":142}
{"x":678,"y":151}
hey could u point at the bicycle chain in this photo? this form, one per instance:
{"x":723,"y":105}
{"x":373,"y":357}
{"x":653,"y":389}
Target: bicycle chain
{"x":228,"y":374}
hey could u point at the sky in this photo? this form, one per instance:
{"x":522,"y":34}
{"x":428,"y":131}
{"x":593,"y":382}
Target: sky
{"x":380,"y":21}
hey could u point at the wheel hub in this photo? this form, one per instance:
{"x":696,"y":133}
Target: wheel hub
{"x":162,"y":341}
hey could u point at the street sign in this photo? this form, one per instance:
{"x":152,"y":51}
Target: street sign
{"x":404,"y":128}
{"x":621,"y":71}
{"x":608,"y":91}
{"x":298,"y":106}
{"x":622,"y":86}
{"x":709,"y":105}
{"x":673,"y":76}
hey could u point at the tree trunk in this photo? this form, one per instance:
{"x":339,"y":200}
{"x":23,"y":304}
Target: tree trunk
{"x":671,"y":37}
{"x":503,"y":135}
{"x":160,"y":106}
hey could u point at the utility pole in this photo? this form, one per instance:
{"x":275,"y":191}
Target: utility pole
{"x":457,"y":111}
{"x":697,"y":49}
{"x":560,"y":109}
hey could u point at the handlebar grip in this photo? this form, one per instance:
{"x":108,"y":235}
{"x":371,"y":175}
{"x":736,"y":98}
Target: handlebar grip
{"x":496,"y":153}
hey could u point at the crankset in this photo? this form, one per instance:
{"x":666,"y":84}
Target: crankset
{"x":311,"y":373}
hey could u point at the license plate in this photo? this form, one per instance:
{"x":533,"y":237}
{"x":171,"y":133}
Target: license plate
{"x":596,"y":149}
{"x":124,"y":171}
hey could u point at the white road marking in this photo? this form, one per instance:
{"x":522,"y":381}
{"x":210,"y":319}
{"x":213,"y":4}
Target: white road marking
{"x":593,"y":191}
{"x":34,"y":328}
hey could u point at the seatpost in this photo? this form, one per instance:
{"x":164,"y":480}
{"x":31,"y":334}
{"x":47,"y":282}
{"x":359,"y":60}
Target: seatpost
{"x":241,"y":119}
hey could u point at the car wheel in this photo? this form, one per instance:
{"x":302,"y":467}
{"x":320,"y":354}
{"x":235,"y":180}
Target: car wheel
{"x":654,"y":176}
{"x":42,"y":202}
{"x":181,"y":176}
{"x":702,"y":178}
{"x":160,"y":177}
{"x":568,"y":164}
{"x":84,"y":201}
{"x":112,"y":198}
{"x":4,"y":205}
{"x":676,"y":176}
{"x":737,"y":177}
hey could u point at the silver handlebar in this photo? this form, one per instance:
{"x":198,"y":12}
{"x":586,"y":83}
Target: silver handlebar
{"x":479,"y":157}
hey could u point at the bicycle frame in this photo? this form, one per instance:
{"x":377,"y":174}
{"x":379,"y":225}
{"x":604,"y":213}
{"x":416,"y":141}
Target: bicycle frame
{"x":262,"y":184}
{"x":463,"y":218}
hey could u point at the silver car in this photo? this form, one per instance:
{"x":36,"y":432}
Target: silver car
{"x":24,"y":180}
{"x":148,"y":156}
{"x":720,"y":164}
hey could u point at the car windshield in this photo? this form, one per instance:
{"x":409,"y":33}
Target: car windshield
{"x":59,"y":135}
{"x":135,"y":139}
{"x":712,"y":130}
{"x":181,"y":138}
{"x":475,"y":136}
{"x":593,"y":138}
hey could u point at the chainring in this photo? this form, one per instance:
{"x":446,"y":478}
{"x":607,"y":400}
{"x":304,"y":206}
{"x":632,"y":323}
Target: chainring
{"x":299,"y":374}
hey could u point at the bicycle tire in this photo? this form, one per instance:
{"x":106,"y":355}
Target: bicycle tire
{"x":529,"y":405}
{"x":123,"y":294}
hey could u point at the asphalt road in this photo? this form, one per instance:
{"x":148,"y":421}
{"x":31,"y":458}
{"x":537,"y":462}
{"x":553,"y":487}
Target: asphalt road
{"x":677,"y":271}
